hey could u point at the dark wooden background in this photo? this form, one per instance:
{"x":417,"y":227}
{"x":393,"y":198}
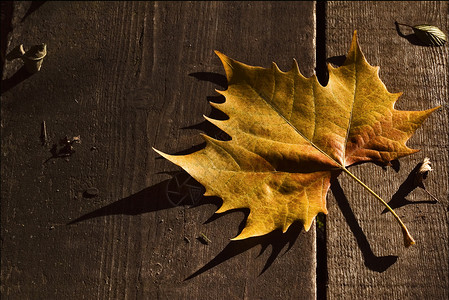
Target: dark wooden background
{"x":128,"y":76}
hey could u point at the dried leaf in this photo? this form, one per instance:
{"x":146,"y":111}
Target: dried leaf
{"x":290,"y":135}
{"x":430,"y":35}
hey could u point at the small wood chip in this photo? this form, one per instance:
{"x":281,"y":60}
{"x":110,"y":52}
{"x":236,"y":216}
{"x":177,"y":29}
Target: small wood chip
{"x":44,"y":137}
{"x":91,"y":192}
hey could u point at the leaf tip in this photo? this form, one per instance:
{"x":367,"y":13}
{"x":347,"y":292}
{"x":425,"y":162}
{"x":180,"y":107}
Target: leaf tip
{"x":435,"y":108}
{"x":355,"y":53}
{"x":308,"y":224}
{"x":207,"y":193}
{"x":222,"y":57}
{"x":218,"y":53}
{"x":240,"y":236}
{"x":275,"y":67}
{"x":157,"y":151}
{"x":295,"y":66}
{"x":354,"y":37}
{"x":220,"y":92}
{"x":164,"y":155}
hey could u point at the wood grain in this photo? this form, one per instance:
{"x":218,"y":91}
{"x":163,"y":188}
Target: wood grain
{"x":366,"y":257}
{"x":117,"y":74}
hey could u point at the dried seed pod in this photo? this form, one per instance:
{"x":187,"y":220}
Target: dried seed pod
{"x":421,"y":175}
{"x":91,"y":192}
{"x":423,"y":171}
{"x":34,"y":56}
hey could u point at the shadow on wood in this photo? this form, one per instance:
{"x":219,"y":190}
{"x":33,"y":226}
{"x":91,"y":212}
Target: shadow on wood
{"x":276,"y":239}
{"x":216,"y":78}
{"x":150,"y":199}
{"x":21,"y":75}
{"x":33,"y":7}
{"x":206,"y":126}
{"x":411,"y":38}
{"x":209,"y":128}
{"x":399,"y":200}
{"x":7,"y":8}
{"x":373,"y":262}
{"x":183,"y":190}
{"x":180,"y":190}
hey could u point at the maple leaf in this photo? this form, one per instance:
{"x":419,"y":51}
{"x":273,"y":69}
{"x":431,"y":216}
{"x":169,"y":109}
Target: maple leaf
{"x":290,"y":135}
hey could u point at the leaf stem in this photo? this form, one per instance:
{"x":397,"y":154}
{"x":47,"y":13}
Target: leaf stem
{"x":404,"y":24}
{"x":433,"y":197}
{"x":408,"y":239}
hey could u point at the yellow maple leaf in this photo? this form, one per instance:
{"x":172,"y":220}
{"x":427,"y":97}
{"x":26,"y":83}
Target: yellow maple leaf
{"x":290,"y":135}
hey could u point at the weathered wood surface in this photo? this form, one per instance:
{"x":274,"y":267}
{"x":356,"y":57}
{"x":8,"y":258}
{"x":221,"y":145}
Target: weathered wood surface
{"x":129,"y":76}
{"x":366,"y":258}
{"x":117,"y":74}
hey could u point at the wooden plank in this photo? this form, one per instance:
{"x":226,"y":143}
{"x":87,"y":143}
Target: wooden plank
{"x":117,"y":74}
{"x":366,"y":257}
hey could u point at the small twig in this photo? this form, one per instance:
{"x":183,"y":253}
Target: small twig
{"x":404,"y":24}
{"x":432,"y":196}
{"x":205,"y":239}
{"x":44,"y":134}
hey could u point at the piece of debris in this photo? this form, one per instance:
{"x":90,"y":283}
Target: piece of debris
{"x":44,"y":137}
{"x":67,"y":144}
{"x":187,"y":240}
{"x":204,"y":239}
{"x":91,"y":192}
{"x":76,"y":139}
{"x":32,"y":58}
{"x":421,"y":175}
{"x":66,"y":148}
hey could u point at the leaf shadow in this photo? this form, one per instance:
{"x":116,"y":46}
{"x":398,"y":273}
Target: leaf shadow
{"x":375,"y":263}
{"x":215,"y":78}
{"x":409,"y":185}
{"x":205,"y":126}
{"x":35,"y":5}
{"x":276,"y":239}
{"x":183,"y":190}
{"x":153,"y":198}
{"x":337,"y":60}
{"x":19,"y":76}
{"x":411,"y":38}
{"x":7,"y":9}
